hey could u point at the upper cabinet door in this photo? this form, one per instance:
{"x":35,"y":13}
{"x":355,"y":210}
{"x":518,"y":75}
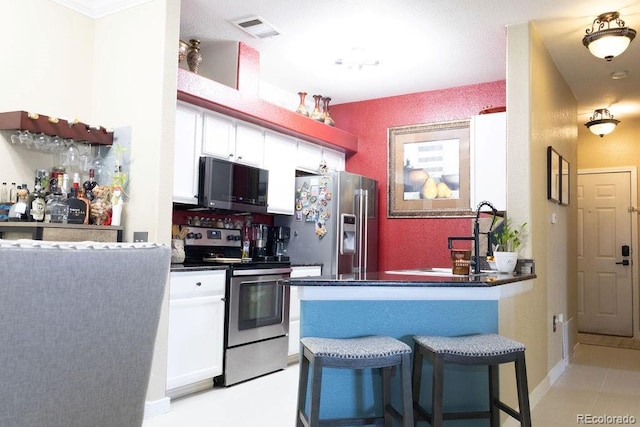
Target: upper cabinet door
{"x":489,"y":160}
{"x":280,"y":161}
{"x":333,"y":158}
{"x":218,"y":136}
{"x":249,"y":147}
{"x":308,"y":156}
{"x":187,"y":146}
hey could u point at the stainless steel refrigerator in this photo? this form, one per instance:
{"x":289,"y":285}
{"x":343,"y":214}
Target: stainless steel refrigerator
{"x":335,"y":223}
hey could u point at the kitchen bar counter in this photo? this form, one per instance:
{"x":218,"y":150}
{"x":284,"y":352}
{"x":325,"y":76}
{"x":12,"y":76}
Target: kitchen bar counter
{"x":412,"y":285}
{"x":402,"y":304}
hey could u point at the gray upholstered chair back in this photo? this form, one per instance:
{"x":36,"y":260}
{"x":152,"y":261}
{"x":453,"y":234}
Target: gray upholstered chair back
{"x":78,"y":323}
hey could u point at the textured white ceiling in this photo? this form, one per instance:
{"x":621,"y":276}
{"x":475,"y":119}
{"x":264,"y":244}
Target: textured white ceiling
{"x":422,"y":44}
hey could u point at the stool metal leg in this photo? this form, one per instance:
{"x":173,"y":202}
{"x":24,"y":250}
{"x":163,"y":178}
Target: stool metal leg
{"x":407,"y":400}
{"x":494,"y":394}
{"x":523,"y":391}
{"x":437,"y":399}
{"x":316,"y":387}
{"x":386,"y":396}
{"x":303,"y":382}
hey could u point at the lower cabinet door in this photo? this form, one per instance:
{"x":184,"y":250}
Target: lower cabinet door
{"x":196,"y":328}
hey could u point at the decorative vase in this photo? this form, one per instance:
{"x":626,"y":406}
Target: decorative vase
{"x":302,"y":108}
{"x":194,"y":57}
{"x":327,"y":118}
{"x":317,"y":114}
{"x":183,"y":48}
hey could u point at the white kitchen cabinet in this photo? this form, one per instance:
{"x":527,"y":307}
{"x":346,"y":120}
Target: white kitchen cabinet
{"x":187,"y":146}
{"x":250,"y":145}
{"x":280,"y":161}
{"x":308,"y":156}
{"x":196,"y":328}
{"x":333,"y":158}
{"x":218,"y":136}
{"x":294,"y":308}
{"x":489,"y":159}
{"x":232,"y":140}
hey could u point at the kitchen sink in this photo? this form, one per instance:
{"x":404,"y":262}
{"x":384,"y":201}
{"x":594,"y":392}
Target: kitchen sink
{"x":435,"y":271}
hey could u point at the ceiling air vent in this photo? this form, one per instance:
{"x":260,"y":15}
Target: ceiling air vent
{"x":257,"y":27}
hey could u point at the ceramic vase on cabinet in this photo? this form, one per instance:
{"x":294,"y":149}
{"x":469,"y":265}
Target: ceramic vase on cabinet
{"x":327,"y":118}
{"x":194,"y":57}
{"x":302,"y":108}
{"x":317,"y":113}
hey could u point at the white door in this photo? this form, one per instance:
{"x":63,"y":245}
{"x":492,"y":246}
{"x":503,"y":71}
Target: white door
{"x":604,"y":227}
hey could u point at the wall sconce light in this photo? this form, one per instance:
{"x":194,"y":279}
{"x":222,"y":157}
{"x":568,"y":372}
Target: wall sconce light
{"x":608,"y":42}
{"x":602,"y":122}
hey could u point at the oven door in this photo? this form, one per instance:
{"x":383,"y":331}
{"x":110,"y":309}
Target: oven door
{"x":258,"y":306}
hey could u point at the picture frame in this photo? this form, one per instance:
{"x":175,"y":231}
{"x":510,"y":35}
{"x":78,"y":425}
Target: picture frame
{"x":553,"y":175}
{"x":565,"y":181}
{"x":429,"y":170}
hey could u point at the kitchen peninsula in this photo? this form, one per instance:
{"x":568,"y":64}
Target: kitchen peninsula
{"x":402,"y":304}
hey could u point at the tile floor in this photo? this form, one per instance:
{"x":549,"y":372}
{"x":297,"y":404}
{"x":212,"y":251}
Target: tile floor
{"x":600,"y":381}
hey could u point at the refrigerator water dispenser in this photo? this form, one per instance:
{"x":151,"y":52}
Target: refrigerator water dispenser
{"x":348,"y":234}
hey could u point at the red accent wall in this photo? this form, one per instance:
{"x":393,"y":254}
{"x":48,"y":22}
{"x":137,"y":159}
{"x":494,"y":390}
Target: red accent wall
{"x":414,"y":242}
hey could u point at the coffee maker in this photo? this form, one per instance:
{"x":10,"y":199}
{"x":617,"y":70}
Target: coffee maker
{"x":259,"y":236}
{"x":278,"y":242}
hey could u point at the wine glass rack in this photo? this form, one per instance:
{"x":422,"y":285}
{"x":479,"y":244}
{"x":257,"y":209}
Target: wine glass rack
{"x":38,"y":123}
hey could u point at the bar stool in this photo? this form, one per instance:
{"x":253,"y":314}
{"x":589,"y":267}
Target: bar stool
{"x":354,"y":353}
{"x":482,"y":349}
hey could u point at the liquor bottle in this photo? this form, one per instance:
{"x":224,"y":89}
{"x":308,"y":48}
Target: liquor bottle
{"x":13,"y":193}
{"x":4,"y":193}
{"x":37,"y":202}
{"x":89,"y":185}
{"x":64,"y":187}
{"x":78,"y":208}
{"x":56,"y":210}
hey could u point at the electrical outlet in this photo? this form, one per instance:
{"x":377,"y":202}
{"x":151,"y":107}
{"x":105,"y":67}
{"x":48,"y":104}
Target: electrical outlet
{"x":555,"y":322}
{"x":140,"y":236}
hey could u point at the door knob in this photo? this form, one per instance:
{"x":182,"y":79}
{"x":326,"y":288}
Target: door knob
{"x":623,"y":262}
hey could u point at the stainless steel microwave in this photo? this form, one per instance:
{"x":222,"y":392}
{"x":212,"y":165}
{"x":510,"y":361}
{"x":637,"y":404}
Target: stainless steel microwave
{"x":232,"y":186}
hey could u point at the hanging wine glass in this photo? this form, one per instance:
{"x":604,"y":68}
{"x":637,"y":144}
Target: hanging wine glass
{"x":70,"y":158}
{"x":99,"y":167}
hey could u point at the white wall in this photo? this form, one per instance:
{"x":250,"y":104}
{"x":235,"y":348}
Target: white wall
{"x":44,"y":70}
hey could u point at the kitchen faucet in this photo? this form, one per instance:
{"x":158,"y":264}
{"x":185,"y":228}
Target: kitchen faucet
{"x":476,"y":236}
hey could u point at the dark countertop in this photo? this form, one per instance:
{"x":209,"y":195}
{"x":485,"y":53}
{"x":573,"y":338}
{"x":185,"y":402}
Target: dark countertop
{"x":411,"y":278}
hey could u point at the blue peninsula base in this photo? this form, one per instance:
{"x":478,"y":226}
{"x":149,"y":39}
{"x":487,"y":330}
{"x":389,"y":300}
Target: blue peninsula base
{"x":356,"y":393}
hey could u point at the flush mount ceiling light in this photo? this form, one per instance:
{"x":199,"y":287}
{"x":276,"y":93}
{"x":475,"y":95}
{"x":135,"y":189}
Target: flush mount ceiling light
{"x":356,"y":59}
{"x":606,"y":43}
{"x":602,"y":122}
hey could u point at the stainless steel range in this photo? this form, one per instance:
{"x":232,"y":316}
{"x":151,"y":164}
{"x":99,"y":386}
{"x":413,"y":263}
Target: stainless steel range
{"x":257,"y":306}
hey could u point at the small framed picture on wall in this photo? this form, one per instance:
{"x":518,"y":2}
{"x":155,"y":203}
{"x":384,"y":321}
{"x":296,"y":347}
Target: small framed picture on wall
{"x":553,"y":175}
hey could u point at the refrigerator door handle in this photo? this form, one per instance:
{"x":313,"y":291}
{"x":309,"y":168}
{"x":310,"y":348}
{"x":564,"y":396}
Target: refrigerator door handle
{"x":363,"y":216}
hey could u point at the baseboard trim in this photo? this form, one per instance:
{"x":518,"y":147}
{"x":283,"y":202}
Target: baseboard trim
{"x":156,"y":407}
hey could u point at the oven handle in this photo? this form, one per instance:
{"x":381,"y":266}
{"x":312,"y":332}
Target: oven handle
{"x":261,"y":271}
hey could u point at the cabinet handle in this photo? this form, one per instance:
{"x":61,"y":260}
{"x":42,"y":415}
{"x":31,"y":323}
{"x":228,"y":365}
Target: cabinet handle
{"x":198,"y":283}
{"x":223,"y":299}
{"x":239,"y":157}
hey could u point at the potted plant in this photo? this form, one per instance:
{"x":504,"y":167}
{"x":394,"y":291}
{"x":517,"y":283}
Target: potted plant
{"x":507,"y":244}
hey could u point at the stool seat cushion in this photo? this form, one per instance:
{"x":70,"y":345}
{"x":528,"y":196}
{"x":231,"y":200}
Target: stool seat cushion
{"x":480,"y":345}
{"x":356,"y":348}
